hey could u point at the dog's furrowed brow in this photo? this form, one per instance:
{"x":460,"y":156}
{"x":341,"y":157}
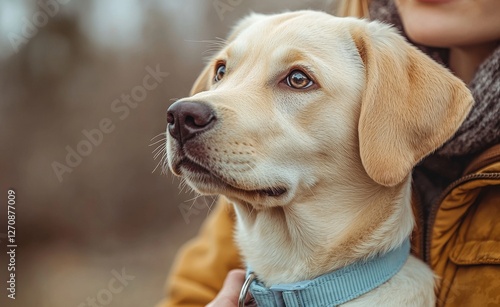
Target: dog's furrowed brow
{"x":283,"y":59}
{"x":287,"y":56}
{"x":236,"y":50}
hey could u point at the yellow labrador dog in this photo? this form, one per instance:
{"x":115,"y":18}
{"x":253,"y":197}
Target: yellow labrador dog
{"x":310,"y":125}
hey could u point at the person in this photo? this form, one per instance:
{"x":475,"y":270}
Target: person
{"x":456,"y":189}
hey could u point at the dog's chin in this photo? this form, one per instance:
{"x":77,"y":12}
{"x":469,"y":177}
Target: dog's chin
{"x":205,"y":181}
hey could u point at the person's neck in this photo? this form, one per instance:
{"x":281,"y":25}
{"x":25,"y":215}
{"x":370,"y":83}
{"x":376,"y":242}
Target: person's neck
{"x":465,"y":60}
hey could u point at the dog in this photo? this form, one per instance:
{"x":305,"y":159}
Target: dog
{"x":310,"y":125}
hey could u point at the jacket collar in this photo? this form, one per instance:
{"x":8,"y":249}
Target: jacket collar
{"x":335,"y":288}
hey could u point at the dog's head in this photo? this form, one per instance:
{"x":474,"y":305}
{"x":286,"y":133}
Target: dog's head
{"x":296,"y":102}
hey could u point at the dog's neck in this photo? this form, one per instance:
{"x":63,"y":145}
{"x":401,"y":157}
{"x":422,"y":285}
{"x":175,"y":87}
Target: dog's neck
{"x":337,"y":227}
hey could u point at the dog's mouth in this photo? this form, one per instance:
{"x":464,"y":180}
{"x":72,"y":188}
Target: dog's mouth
{"x":200,"y":175}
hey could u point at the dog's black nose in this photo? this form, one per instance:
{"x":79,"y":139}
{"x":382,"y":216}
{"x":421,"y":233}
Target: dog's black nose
{"x":187,"y":119}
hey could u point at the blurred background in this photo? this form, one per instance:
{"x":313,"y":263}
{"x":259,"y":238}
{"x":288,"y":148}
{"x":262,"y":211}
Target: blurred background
{"x":84,"y":88}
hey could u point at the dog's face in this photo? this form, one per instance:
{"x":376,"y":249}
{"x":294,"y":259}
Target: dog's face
{"x":298,"y":102}
{"x":285,"y":101}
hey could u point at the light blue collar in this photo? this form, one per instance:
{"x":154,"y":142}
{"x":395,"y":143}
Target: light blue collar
{"x":335,"y":288}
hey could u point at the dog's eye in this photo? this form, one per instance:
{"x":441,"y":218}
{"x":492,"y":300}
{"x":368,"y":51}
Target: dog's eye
{"x":220,"y":71}
{"x":298,"y":80}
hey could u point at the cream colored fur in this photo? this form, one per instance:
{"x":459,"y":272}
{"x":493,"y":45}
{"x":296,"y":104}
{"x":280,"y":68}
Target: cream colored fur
{"x":343,"y":149}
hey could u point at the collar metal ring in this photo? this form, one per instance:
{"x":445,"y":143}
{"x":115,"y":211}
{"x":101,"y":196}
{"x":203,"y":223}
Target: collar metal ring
{"x":244,"y":289}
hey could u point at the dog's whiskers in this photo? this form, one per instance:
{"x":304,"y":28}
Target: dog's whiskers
{"x":214,"y":199}
{"x":193,"y":200}
{"x":160,"y":140}
{"x":160,"y":163}
{"x":164,"y":168}
{"x":158,"y":151}
{"x":158,"y":135}
{"x":214,"y":46}
{"x":183,"y":184}
{"x":162,"y":145}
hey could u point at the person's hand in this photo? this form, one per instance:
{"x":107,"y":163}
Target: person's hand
{"x":230,"y":292}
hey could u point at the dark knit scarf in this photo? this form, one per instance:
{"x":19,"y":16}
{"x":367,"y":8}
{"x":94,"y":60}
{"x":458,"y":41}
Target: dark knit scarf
{"x":480,"y":130}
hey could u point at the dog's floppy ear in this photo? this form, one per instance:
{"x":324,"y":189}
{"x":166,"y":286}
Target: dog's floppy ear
{"x":411,"y":105}
{"x":203,"y":81}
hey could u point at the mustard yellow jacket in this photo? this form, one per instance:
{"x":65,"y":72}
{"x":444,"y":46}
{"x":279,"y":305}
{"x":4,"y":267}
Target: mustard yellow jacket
{"x":461,"y":244}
